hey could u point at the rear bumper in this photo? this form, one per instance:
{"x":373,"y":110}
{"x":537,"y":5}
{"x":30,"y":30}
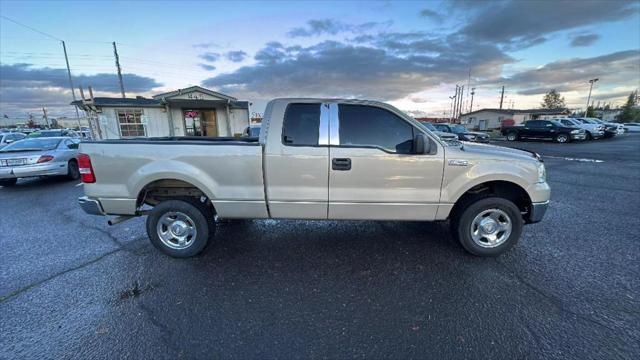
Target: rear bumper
{"x":90,"y":206}
{"x":33,"y":170}
{"x":537,"y":212}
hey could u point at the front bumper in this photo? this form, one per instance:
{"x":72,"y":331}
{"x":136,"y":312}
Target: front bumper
{"x":537,"y":212}
{"x":597,"y":134}
{"x":33,"y":170}
{"x":90,"y":206}
{"x":578,"y":136}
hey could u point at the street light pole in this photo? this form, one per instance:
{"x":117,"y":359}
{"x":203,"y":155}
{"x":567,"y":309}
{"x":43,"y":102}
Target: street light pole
{"x":589,"y":97}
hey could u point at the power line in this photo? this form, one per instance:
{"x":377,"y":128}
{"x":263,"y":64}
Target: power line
{"x":31,"y":28}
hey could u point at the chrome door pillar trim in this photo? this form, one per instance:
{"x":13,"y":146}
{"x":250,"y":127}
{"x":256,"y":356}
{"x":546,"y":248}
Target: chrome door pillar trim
{"x":323,"y":134}
{"x":334,"y":129}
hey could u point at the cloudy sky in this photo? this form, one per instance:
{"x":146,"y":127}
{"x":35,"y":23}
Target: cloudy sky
{"x":411,"y":54}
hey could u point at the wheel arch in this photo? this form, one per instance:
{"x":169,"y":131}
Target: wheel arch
{"x":509,"y":190}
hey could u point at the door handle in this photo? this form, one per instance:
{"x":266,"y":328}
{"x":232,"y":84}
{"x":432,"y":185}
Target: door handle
{"x":341,"y":164}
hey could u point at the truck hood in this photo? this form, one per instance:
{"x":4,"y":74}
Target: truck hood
{"x":496,"y":152}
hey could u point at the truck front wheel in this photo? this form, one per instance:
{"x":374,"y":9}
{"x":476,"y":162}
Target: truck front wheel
{"x":512,"y":136}
{"x":488,"y":227}
{"x":178,"y":228}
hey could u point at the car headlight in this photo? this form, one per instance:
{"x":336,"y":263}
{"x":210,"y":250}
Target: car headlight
{"x":542,"y":173}
{"x":575,"y":131}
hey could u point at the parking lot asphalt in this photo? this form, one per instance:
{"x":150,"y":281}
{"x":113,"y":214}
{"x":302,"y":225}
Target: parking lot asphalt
{"x":72,"y":287}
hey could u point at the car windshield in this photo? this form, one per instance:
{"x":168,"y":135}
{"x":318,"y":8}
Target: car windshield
{"x":458,"y":129}
{"x":557,"y":123}
{"x":588,"y":121}
{"x":32,"y":145}
{"x":46,"y":133}
{"x":429,"y":126}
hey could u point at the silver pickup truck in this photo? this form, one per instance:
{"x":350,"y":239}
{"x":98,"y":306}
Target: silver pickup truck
{"x":316,"y":159}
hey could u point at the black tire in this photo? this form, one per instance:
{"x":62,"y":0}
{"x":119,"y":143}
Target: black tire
{"x":8,"y":182}
{"x":512,"y":136}
{"x":197,"y":217}
{"x":589,"y":136}
{"x":73,"y":172}
{"x":562,"y":138}
{"x":461,"y":225}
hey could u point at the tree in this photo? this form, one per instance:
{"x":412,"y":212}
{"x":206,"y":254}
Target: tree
{"x":591,"y":112}
{"x":553,"y":100}
{"x":630,"y":111}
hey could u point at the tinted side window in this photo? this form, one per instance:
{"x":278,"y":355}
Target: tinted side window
{"x":534,"y":123}
{"x":372,"y":126}
{"x":301,"y":124}
{"x":567,"y":123}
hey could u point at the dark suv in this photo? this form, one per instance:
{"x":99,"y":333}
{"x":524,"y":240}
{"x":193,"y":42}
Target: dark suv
{"x":544,"y":129}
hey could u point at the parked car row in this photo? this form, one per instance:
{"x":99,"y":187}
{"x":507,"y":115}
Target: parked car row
{"x":563,"y":130}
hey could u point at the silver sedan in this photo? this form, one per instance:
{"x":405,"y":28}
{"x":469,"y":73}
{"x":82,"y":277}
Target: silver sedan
{"x":39,"y":157}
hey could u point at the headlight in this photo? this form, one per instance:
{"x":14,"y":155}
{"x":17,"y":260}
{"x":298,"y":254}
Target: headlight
{"x":575,"y":131}
{"x":542,"y":173}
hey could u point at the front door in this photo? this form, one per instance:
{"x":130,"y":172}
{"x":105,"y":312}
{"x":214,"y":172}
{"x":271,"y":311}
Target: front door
{"x":374,"y":173}
{"x":210,"y":123}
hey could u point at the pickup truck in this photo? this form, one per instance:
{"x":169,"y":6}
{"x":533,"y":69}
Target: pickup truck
{"x":316,"y":159}
{"x":544,"y":129}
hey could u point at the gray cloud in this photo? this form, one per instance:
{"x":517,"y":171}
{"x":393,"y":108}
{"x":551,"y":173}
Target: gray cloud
{"x":334,"y":68}
{"x":206,"y":45}
{"x":518,"y":24}
{"x":331,"y":27}
{"x":207,"y":67}
{"x":25,"y":88}
{"x":25,"y":74}
{"x":210,"y":56}
{"x":619,"y":68}
{"x":584,"y":40}
{"x":430,"y":14}
{"x":236,"y":56}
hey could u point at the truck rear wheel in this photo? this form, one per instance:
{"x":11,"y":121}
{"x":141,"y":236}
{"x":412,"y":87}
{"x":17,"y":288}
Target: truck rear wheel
{"x":512,"y":136}
{"x":179,"y":228}
{"x":488,"y":227}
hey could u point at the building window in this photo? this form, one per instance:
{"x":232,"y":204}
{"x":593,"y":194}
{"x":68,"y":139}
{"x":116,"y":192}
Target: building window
{"x":130,"y":122}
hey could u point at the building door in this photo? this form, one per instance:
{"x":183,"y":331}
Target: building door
{"x":482,"y":124}
{"x":210,"y":124}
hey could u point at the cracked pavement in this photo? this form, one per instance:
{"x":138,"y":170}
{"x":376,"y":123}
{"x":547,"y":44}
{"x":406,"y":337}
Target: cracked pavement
{"x":73,"y":287}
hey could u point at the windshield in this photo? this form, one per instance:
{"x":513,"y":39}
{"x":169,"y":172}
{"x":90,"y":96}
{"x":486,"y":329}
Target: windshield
{"x":458,"y":129}
{"x":428,"y":126}
{"x":32,"y":145}
{"x":558,"y":123}
{"x":45,"y":133}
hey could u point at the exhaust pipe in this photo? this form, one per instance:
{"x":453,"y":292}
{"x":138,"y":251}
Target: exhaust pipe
{"x":118,"y":219}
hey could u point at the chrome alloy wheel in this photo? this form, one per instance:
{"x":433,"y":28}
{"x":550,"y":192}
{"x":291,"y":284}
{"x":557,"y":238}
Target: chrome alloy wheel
{"x":491,"y":228}
{"x":176,"y":230}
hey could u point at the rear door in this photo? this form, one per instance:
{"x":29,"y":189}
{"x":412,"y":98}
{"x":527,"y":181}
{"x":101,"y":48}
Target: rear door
{"x":296,"y":161}
{"x":374,"y":173}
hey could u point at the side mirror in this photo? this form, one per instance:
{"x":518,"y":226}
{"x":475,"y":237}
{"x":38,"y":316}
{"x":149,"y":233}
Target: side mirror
{"x":422,"y":144}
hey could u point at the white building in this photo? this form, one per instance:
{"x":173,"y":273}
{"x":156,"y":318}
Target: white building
{"x":488,"y":119}
{"x":194,"y":111}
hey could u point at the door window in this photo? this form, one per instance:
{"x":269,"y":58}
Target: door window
{"x":369,"y":126}
{"x":301,"y":125}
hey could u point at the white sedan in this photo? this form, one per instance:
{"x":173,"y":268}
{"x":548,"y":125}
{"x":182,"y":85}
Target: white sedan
{"x":632,"y":127}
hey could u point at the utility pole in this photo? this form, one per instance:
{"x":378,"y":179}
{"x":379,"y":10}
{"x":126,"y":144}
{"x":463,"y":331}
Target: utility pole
{"x":451,"y":110}
{"x":73,"y":90}
{"x":501,"y":97}
{"x":460,"y":103}
{"x":591,"y":82}
{"x":455,"y":103}
{"x":115,"y":53}
{"x":473,"y":91}
{"x":46,"y":118}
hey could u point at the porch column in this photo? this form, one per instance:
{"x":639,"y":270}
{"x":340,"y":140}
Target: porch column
{"x":228,"y":120}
